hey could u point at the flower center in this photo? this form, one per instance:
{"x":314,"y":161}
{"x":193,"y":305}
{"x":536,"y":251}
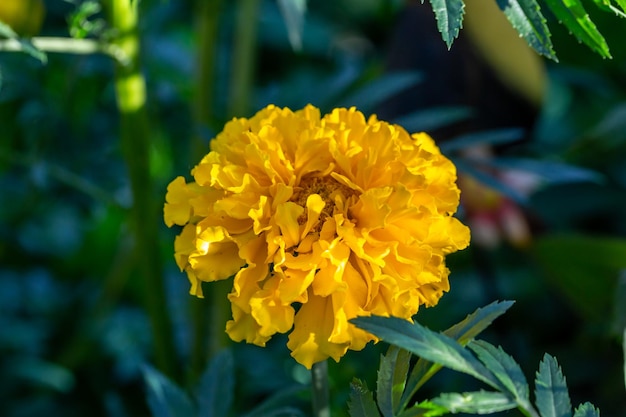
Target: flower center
{"x":333,"y":193}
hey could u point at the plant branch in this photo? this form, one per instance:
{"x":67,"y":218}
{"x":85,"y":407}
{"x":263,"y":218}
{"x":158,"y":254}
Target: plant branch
{"x":68,"y":46}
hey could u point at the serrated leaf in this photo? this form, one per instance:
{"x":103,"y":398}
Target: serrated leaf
{"x":479,"y":402}
{"x":504,"y":368}
{"x":490,"y":137}
{"x":424,"y":409}
{"x":607,"y":6}
{"x":463,"y":332}
{"x":587,"y":410}
{"x":449,"y":15}
{"x":392,"y":373}
{"x":526,"y":18}
{"x":293,"y":12}
{"x":433,"y":118}
{"x":165,"y":399}
{"x":423,"y":342}
{"x":573,"y":15}
{"x":551,"y":395}
{"x":621,"y":4}
{"x":374,"y":93}
{"x":361,"y":403}
{"x":214,"y":393}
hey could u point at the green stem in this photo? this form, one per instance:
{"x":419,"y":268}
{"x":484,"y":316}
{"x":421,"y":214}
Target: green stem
{"x":207,"y":19}
{"x":68,"y":46}
{"x":130,"y":88}
{"x":243,"y":60}
{"x":208,"y":317}
{"x":319,"y":387}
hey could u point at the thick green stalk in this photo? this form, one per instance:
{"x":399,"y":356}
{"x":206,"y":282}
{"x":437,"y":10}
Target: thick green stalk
{"x":243,"y":59}
{"x":130,"y":88}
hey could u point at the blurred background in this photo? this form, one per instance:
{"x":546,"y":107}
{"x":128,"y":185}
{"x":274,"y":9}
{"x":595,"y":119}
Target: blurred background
{"x":86,"y":304}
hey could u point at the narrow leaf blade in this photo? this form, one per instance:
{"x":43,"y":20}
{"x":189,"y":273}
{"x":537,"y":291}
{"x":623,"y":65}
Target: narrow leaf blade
{"x":427,"y":120}
{"x":449,"y":14}
{"x":276,"y":403}
{"x":463,"y":332}
{"x":165,"y":399}
{"x":293,"y":12}
{"x":392,"y":373}
{"x":573,"y":15}
{"x":551,"y":393}
{"x":361,"y":402}
{"x":490,"y":137}
{"x":374,"y":93}
{"x":472,"y":325}
{"x":425,"y":408}
{"x":214,"y":393}
{"x":526,"y":18}
{"x":479,"y":402}
{"x":432,"y":346}
{"x":504,"y":368}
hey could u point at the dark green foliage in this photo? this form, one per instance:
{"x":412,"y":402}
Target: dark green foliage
{"x":489,"y":364}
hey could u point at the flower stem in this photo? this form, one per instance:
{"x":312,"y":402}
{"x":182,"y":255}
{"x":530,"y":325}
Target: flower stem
{"x":130,"y":89}
{"x":319,"y":386}
{"x":243,"y":60}
{"x":206,"y":26}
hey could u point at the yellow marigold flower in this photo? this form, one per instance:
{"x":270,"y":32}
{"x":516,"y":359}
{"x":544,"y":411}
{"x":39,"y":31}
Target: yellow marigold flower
{"x":320,"y":220}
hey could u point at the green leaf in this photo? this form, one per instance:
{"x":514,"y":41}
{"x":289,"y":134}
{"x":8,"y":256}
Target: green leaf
{"x":374,"y":93}
{"x":432,"y":346}
{"x":25,"y":45}
{"x":433,"y":118}
{"x":621,"y":4}
{"x":293,"y":12}
{"x":479,"y":402}
{"x":550,"y":172}
{"x":466,"y":166}
{"x":6,"y":31}
{"x":490,"y":137}
{"x":463,"y":332}
{"x":425,"y":409}
{"x":165,"y":399}
{"x":587,"y":410}
{"x":551,"y":395}
{"x":607,"y":6}
{"x":214,"y":393}
{"x":526,"y":18}
{"x":449,"y":14}
{"x":573,"y":15}
{"x":504,"y":368}
{"x":394,"y":367}
{"x":274,"y":405}
{"x":361,"y":403}
{"x":472,"y":325}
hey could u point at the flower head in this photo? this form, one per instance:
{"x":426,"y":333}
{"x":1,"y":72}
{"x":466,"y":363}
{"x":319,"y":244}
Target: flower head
{"x":319,"y":220}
